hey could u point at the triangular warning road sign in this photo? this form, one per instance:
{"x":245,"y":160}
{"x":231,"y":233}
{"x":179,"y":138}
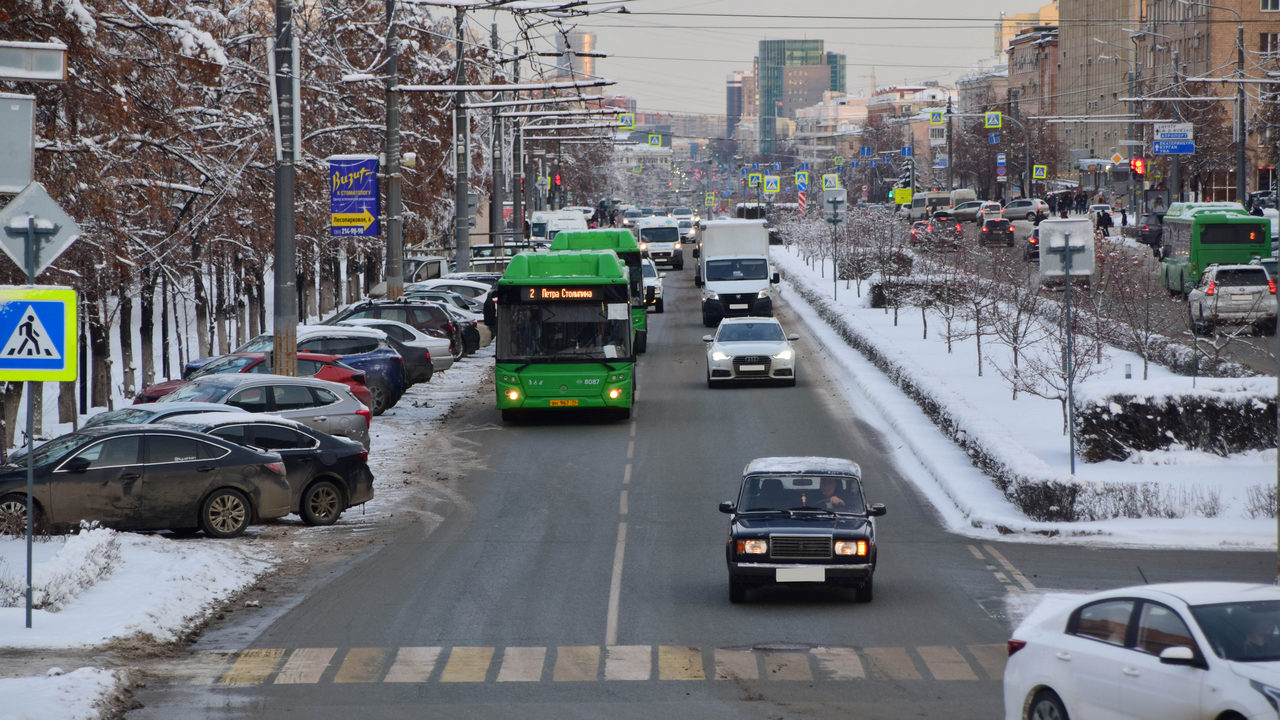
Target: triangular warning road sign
{"x":30,"y":339}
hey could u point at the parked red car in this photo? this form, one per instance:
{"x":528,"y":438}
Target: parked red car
{"x":324,"y":367}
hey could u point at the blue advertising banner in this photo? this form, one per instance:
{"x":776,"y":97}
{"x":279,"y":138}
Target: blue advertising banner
{"x":354,"y":201}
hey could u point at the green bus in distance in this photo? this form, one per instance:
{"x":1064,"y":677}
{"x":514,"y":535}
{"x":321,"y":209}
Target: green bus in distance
{"x":564,"y":334}
{"x":1197,"y":235}
{"x":624,"y":244}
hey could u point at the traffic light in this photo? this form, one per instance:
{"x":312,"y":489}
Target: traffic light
{"x":557,"y":179}
{"x":906,"y":177}
{"x":1138,"y":166}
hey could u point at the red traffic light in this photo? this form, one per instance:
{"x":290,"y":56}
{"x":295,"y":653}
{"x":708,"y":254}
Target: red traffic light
{"x":1138,"y":166}
{"x":557,"y":179}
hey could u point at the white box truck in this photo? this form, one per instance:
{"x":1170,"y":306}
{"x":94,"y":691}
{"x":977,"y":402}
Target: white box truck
{"x":1058,"y":233}
{"x":733,"y":270}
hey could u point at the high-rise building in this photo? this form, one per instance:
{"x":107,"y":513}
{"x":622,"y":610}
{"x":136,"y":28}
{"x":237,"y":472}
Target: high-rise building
{"x":569,"y":64}
{"x":792,"y":74}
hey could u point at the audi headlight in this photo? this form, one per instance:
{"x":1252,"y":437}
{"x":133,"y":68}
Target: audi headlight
{"x":753,"y":547}
{"x":784,"y":355}
{"x":720,"y":356}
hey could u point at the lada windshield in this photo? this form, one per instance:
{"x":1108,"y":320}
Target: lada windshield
{"x":739,"y":269}
{"x":761,"y":493}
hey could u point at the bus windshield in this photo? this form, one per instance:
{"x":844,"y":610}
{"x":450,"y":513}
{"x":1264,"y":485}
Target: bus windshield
{"x":570,"y":331}
{"x":741,"y":269}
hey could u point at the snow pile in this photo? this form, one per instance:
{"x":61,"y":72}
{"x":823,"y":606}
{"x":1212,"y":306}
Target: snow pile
{"x":57,"y":696}
{"x":85,"y":559}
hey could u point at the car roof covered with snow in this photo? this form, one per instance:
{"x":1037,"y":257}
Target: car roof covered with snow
{"x":803,"y":465}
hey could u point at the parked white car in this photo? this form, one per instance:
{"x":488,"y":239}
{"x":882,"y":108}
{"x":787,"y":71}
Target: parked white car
{"x":750,"y":348}
{"x":1153,"y":652}
{"x":438,"y":347}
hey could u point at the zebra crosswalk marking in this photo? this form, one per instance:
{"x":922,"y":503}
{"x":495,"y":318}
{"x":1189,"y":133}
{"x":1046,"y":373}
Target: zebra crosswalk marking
{"x":253,"y":667}
{"x":991,"y":658}
{"x":363,"y":665}
{"x":839,"y":663}
{"x":736,"y":665}
{"x":467,"y":664}
{"x":946,"y":663}
{"x":522,"y":664}
{"x":787,"y":666}
{"x":680,"y":663}
{"x":891,"y":663}
{"x":413,"y":665}
{"x":577,"y":663}
{"x":628,"y":662}
{"x":305,"y":666}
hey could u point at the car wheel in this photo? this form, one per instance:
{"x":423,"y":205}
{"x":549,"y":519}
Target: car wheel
{"x":1046,"y":706}
{"x":1267,"y":327}
{"x":380,"y":396}
{"x":707,"y":321}
{"x":225,"y":513}
{"x":321,"y":503}
{"x":865,"y":591}
{"x":737,"y":591}
{"x":658,"y":307}
{"x":13,"y":516}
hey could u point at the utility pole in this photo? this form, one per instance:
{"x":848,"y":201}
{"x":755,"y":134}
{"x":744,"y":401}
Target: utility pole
{"x":461,"y":236}
{"x":395,"y":227}
{"x":1175,"y":176}
{"x":285,"y":315}
{"x":517,"y":175}
{"x":1240,"y":126}
{"x":496,"y":224}
{"x":949,"y":146}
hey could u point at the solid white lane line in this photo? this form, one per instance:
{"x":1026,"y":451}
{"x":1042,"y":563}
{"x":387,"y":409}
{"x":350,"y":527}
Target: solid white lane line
{"x":615,"y":587}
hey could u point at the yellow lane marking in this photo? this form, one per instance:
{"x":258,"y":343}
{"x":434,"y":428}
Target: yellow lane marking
{"x":973,"y":550}
{"x":891,"y":663}
{"x":522,"y":664}
{"x":840,"y":663}
{"x":253,"y":667}
{"x":628,"y":662}
{"x":467,"y":664}
{"x":946,"y":663}
{"x":992,"y":658}
{"x":577,"y":663}
{"x":305,"y":666}
{"x":787,"y":666}
{"x":736,"y":665}
{"x":413,"y":664}
{"x":680,"y":663}
{"x":1008,"y":566}
{"x":363,"y":665}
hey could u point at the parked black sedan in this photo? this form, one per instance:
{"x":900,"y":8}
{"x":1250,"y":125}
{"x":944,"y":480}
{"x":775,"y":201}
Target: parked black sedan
{"x":326,"y":474}
{"x":145,"y":477}
{"x":801,"y":521}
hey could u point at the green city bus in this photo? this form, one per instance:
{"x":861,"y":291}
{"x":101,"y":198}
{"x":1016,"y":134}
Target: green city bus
{"x":624,"y":244}
{"x":1197,"y":235}
{"x":564,"y":335}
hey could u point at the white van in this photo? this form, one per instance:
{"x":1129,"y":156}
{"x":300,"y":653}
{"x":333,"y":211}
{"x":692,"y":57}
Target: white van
{"x":546,"y":224}
{"x":924,"y":204}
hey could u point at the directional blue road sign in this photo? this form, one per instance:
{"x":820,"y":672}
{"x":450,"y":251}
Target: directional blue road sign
{"x":755,"y":166}
{"x":993,"y":138}
{"x":906,"y":151}
{"x":865,"y":151}
{"x":804,"y":166}
{"x":777,"y":166}
{"x":37,"y":333}
{"x":354,"y":202}
{"x":854,"y":164}
{"x":873,"y":162}
{"x":1173,"y":147}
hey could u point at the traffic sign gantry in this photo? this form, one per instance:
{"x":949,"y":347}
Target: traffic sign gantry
{"x":33,"y":211}
{"x":37,"y":333}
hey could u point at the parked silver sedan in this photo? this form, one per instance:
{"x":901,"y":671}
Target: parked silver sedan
{"x":326,"y":406}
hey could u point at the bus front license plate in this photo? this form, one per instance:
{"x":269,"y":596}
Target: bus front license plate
{"x":564,"y":403}
{"x":738,"y":306}
{"x":801,"y":574}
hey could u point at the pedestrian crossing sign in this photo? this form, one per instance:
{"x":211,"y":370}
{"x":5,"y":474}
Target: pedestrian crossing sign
{"x":37,"y":333}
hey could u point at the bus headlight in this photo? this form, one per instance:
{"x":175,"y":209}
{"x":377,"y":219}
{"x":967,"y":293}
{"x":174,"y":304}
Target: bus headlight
{"x":615,"y":393}
{"x":513,"y":395}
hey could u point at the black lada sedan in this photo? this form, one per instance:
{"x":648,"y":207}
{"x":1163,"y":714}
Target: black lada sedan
{"x":801,"y":520}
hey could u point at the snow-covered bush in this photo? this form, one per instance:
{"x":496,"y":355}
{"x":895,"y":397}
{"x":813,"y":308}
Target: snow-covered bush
{"x":85,"y":559}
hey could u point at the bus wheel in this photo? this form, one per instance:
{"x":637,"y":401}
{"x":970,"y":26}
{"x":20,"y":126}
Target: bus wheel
{"x":642,"y":341}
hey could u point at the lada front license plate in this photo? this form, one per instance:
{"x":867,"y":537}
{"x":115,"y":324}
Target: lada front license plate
{"x":565,"y":403}
{"x":737,"y":306}
{"x":801,"y":574}
{"x":751,"y":368}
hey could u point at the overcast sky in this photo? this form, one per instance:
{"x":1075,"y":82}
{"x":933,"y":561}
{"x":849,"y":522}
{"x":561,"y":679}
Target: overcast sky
{"x":674,"y":55}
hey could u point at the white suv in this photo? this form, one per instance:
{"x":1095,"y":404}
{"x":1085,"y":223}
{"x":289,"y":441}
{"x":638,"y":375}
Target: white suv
{"x":1233,"y":295}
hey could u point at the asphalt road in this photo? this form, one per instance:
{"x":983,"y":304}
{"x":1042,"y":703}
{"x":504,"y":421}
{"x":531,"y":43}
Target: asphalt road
{"x":579,"y":573}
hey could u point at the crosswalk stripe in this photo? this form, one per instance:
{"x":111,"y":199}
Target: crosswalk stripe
{"x":305,"y":666}
{"x":467,"y":664}
{"x":576,"y":663}
{"x":992,"y":658}
{"x":522,"y":664}
{"x":736,"y":665}
{"x":840,"y":663}
{"x":891,"y":663}
{"x":203,"y":669}
{"x":253,"y":666}
{"x":628,"y":662}
{"x":679,"y":663}
{"x":363,"y":665}
{"x":413,"y":665}
{"x":787,"y":666}
{"x":946,"y":663}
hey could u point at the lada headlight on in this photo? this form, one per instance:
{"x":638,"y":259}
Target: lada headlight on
{"x":753,"y":547}
{"x":855,"y":548}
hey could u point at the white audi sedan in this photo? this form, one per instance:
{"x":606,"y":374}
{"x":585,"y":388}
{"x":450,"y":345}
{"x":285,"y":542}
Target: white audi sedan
{"x":1206,"y":650}
{"x":750,"y":348}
